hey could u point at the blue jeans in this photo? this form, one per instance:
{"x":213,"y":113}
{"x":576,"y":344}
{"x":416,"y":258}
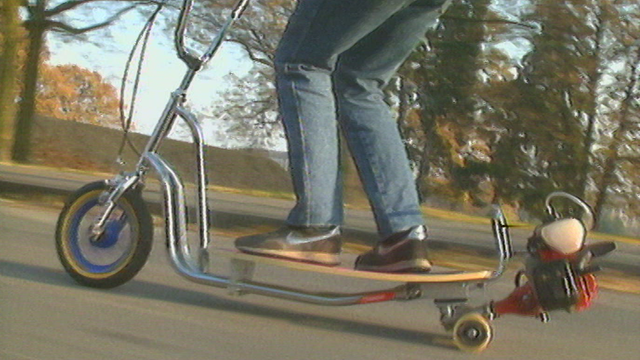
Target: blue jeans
{"x":332,"y":64}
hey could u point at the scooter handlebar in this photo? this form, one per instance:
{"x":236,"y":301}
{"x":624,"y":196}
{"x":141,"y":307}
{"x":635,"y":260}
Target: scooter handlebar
{"x":240,"y":7}
{"x":193,"y":61}
{"x":183,"y":52}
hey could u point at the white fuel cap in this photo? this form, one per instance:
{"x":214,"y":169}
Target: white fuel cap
{"x":565,"y":236}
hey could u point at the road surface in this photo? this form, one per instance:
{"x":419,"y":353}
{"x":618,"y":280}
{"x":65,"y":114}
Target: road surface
{"x":158,"y":315}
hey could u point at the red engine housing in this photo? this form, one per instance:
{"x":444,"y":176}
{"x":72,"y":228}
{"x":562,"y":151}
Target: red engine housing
{"x":526,"y":299}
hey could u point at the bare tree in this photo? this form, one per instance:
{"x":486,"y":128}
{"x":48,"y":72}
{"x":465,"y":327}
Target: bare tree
{"x":40,"y":19}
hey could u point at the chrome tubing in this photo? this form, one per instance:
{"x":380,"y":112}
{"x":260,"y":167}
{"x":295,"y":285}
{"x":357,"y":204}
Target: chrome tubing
{"x":163,"y":126}
{"x":108,"y":200}
{"x":185,"y":265}
{"x":503,"y":242}
{"x":198,"y":140}
{"x":180,"y":258}
{"x":589,"y":223}
{"x":175,"y":208}
{"x":236,"y":13}
{"x":194,"y":62}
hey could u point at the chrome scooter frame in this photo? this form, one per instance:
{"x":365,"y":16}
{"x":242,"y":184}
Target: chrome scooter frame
{"x":194,"y":268}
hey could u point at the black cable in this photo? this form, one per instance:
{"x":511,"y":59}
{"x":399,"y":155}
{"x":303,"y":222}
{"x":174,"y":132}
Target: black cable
{"x":125,"y":122}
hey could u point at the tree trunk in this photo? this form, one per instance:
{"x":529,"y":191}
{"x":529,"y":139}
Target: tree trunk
{"x":36,"y":29}
{"x":9,"y":24}
{"x":605,"y":184}
{"x":626,"y":122}
{"x":594,"y":81}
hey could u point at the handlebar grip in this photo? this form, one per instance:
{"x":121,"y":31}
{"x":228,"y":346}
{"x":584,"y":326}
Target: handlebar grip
{"x":181,"y":28}
{"x":590,"y":269}
{"x":601,"y":248}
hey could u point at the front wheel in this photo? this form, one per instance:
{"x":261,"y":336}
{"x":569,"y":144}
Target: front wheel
{"x":115,"y":256}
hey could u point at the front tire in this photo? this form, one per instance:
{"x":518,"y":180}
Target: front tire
{"x":119,"y":253}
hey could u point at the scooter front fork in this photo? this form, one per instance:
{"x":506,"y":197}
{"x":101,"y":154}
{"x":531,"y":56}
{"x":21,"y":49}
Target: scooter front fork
{"x":118,"y":186}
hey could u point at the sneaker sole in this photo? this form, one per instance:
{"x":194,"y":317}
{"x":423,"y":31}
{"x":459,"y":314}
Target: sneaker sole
{"x":305,"y":256}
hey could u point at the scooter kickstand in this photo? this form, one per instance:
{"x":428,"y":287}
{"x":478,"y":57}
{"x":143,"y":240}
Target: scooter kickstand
{"x":203,"y":261}
{"x":241,"y":271}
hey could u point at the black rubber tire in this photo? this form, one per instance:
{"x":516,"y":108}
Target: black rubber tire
{"x":75,"y":248}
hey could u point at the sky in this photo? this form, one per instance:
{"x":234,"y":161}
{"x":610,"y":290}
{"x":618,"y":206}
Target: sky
{"x":106,"y":51}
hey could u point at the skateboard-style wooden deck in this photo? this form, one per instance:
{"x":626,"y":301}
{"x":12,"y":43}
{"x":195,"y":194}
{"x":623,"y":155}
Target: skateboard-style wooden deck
{"x":432,"y":277}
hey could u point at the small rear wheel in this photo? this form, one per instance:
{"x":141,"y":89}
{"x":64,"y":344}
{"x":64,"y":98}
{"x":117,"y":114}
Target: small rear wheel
{"x":122,"y":249}
{"x":472,"y":332}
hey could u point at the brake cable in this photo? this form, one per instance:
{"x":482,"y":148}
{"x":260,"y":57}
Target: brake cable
{"x":125,"y":121}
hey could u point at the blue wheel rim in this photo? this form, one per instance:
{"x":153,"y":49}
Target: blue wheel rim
{"x":109,"y":239}
{"x":111,"y":232}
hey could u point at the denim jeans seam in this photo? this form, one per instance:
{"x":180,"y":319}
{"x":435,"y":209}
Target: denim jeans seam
{"x":287,"y":67}
{"x":379,"y":200}
{"x":305,"y":162}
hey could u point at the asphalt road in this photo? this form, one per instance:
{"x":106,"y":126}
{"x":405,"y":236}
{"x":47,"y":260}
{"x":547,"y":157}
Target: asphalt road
{"x":159,"y":315}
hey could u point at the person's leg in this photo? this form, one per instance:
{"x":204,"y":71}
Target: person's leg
{"x":361,"y":74}
{"x":318,"y":32}
{"x":372,"y":134}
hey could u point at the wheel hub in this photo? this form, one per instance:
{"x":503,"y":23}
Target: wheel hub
{"x":472,"y":333}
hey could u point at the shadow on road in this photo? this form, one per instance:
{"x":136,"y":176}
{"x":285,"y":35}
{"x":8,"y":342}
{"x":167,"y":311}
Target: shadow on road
{"x":34,"y":273}
{"x":161,"y":292}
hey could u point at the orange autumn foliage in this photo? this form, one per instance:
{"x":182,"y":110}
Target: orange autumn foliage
{"x":69,"y":92}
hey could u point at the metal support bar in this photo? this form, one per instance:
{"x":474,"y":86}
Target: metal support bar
{"x":241,"y":271}
{"x":108,"y":200}
{"x":439,"y":291}
{"x":198,"y":139}
{"x":240,"y":282}
{"x":182,"y":262}
{"x":502,"y":237}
